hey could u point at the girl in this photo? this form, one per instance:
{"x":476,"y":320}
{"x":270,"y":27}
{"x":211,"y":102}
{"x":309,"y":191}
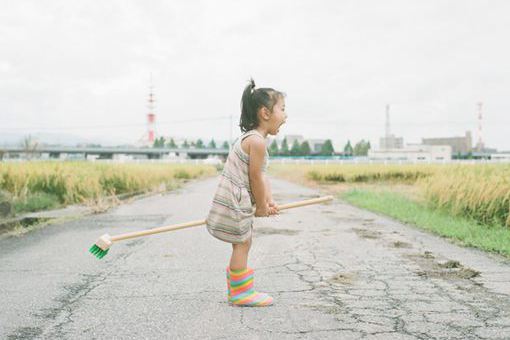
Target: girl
{"x":243,"y":184}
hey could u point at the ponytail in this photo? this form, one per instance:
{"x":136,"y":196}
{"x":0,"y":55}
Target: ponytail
{"x":252,"y":100}
{"x":249,"y":119}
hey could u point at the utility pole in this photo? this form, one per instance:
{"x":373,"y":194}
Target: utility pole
{"x":480,"y":145}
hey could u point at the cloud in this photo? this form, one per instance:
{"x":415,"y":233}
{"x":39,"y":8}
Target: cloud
{"x":77,"y":64}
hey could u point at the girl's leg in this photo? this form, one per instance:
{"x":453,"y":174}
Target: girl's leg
{"x":239,"y":258}
{"x":240,"y":280}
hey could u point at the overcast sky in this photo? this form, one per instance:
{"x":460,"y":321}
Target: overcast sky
{"x":83,"y":67}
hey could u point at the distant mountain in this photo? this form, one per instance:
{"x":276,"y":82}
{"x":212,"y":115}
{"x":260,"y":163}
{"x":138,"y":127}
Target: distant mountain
{"x":64,"y":139}
{"x":15,"y":139}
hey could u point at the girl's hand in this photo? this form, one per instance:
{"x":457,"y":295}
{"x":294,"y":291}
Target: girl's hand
{"x":273,"y":208}
{"x":262,"y":211}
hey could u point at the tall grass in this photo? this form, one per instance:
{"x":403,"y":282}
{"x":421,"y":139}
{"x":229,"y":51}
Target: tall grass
{"x":356,"y":173}
{"x":73,"y":182}
{"x":369,"y":173}
{"x":479,"y":191}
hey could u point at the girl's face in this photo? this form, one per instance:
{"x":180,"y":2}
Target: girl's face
{"x":277,"y":117}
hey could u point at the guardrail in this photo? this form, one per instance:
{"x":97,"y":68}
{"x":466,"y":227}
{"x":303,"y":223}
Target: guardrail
{"x":272,"y":160}
{"x":369,"y":161}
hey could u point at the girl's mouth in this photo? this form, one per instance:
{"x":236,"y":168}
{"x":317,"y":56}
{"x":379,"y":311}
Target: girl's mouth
{"x":279,"y":126}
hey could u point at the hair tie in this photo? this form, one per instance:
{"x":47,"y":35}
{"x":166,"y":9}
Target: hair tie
{"x":252,"y":83}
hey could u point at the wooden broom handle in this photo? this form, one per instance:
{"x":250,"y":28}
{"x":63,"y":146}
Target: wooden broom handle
{"x":305,"y":202}
{"x":200,"y":222}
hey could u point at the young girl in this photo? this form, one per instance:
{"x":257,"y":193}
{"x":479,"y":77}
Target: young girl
{"x":243,"y":184}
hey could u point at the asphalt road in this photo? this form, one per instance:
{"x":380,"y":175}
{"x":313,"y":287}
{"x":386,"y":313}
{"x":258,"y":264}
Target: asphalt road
{"x":335,"y":271}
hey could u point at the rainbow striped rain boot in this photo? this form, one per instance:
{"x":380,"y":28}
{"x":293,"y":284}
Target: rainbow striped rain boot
{"x":228,"y":284}
{"x":241,"y":292}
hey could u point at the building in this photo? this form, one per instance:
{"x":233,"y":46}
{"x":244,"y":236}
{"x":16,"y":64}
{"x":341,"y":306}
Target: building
{"x":462,"y":145}
{"x":316,"y":145}
{"x":413,"y":153}
{"x":391,"y":142}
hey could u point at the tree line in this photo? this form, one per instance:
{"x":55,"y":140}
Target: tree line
{"x":161,"y":142}
{"x":303,"y":149}
{"x":296,"y":149}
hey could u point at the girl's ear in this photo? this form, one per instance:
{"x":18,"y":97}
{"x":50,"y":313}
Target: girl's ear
{"x":266,"y":114}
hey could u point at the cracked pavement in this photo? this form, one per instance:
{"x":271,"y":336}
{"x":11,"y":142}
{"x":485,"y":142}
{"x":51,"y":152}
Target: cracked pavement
{"x":335,"y":271}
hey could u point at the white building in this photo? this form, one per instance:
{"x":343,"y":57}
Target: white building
{"x":414,"y":153}
{"x":502,"y":156}
{"x":316,"y":145}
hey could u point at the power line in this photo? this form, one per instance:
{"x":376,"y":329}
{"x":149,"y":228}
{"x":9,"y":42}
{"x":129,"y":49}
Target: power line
{"x":116,"y":126}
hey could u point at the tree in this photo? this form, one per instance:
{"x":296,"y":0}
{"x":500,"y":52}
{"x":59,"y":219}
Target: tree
{"x":273,"y":148}
{"x":159,"y":142}
{"x":358,"y":148}
{"x":185,"y":144}
{"x":348,"y":148}
{"x":225,"y":145}
{"x":361,"y":148}
{"x":212,"y":144}
{"x":171,"y":144}
{"x":296,"y":149}
{"x":199,"y":144}
{"x":327,"y":148}
{"x":305,"y":148}
{"x":284,"y":150}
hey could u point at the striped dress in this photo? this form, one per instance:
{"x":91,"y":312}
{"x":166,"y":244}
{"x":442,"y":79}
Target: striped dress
{"x":230,"y":218}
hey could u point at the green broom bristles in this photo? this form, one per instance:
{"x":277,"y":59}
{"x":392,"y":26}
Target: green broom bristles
{"x":98,"y":252}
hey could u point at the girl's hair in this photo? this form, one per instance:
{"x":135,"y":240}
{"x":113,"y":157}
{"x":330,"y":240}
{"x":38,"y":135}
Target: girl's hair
{"x":252,"y":100}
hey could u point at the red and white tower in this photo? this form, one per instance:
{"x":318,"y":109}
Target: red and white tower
{"x":151,"y":117}
{"x":480,"y":145}
{"x":148,"y":137}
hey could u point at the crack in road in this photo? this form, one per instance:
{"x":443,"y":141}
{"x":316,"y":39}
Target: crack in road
{"x":348,"y":274}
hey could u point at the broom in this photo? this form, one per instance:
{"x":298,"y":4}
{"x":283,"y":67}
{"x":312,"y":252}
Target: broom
{"x":103,"y":244}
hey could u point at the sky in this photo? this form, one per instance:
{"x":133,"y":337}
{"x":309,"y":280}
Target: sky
{"x":83,"y":68}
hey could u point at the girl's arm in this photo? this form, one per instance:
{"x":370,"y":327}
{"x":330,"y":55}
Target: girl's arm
{"x":269,"y":194}
{"x":273,"y":208}
{"x":257,"y":184}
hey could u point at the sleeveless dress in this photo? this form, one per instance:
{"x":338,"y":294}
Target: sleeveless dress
{"x":230,"y":218}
